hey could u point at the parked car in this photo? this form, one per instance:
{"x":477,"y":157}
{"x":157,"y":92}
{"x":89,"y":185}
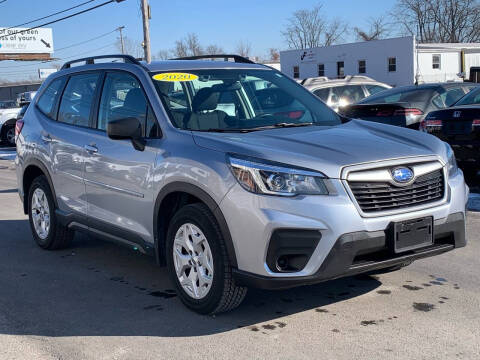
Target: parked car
{"x":259,"y":198}
{"x":459,"y":125}
{"x":8,"y":115}
{"x":341,"y":92}
{"x":407,"y":106}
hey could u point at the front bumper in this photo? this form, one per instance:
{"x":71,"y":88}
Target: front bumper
{"x":364,"y":251}
{"x":252,"y":220}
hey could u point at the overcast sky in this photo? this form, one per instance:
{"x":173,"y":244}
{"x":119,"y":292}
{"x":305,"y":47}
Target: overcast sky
{"x":220,"y":22}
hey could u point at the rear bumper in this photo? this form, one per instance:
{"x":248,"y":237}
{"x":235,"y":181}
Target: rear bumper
{"x":361,"y":252}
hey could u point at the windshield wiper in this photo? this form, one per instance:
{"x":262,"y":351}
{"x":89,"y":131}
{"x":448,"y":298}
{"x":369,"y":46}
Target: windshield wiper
{"x":281,"y":125}
{"x":221,"y":130}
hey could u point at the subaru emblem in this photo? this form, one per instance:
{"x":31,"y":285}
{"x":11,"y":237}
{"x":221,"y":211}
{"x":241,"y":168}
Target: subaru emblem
{"x":402,"y":175}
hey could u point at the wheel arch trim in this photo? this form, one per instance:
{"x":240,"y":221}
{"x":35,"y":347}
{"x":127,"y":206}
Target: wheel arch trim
{"x":207,"y":200}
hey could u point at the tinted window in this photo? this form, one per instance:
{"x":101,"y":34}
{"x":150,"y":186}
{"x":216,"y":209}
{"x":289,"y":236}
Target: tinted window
{"x":77,"y":99}
{"x":452,"y":95}
{"x":349,"y":93}
{"x":413,"y":95}
{"x":473,"y":97}
{"x":322,"y":93}
{"x":47,"y":101}
{"x":374,"y":89}
{"x":122,"y":97}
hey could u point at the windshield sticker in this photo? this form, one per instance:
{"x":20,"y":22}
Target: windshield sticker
{"x":174,"y":76}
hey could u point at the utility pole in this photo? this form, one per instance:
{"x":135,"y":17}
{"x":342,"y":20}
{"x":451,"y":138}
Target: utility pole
{"x":121,"y":38}
{"x":146,"y":30}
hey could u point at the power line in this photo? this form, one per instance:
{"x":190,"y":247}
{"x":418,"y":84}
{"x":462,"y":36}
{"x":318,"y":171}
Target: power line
{"x":67,"y":17}
{"x":45,"y":17}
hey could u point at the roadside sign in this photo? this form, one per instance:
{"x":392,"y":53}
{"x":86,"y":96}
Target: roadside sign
{"x":25,"y":41}
{"x":44,"y":73}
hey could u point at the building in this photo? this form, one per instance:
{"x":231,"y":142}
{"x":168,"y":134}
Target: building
{"x":397,"y":61}
{"x":11,"y":91}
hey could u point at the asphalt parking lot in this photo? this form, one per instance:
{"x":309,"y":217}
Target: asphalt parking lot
{"x":97,"y":300}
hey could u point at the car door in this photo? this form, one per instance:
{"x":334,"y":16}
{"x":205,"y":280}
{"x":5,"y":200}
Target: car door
{"x":68,"y":136}
{"x":118,"y":178}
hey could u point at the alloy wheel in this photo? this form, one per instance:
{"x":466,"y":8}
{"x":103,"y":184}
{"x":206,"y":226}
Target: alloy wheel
{"x":193,"y":261}
{"x":40,"y":213}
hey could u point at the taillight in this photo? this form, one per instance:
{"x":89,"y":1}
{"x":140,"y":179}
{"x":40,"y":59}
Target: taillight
{"x":291,"y":114}
{"x":476,"y":122}
{"x":433,"y":123}
{"x":18,"y":127}
{"x":384,"y":113}
{"x":407,"y":112}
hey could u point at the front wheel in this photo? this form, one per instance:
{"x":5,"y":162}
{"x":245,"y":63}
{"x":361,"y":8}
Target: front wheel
{"x":198,"y":263}
{"x":47,"y":231}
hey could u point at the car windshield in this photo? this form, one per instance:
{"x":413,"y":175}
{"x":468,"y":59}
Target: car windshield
{"x":238,"y":100}
{"x":472,"y":98}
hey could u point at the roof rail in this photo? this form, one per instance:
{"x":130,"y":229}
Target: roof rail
{"x":314,"y":80}
{"x":91,"y":60}
{"x":236,"y":58}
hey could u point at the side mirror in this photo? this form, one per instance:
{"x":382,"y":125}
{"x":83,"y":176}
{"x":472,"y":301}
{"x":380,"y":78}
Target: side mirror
{"x":127,"y":128}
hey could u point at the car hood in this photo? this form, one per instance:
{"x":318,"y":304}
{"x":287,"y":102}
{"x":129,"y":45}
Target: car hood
{"x":326,"y":149}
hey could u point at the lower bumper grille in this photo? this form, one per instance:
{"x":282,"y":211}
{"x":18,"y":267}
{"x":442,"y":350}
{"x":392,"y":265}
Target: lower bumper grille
{"x":383,"y":196}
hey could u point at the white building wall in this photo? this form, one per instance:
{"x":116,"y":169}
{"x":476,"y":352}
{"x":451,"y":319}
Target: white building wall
{"x":375,"y":53}
{"x":472,"y":59}
{"x":450,"y":65}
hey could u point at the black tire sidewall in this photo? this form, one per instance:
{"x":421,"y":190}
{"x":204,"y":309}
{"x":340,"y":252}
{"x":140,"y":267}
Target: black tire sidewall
{"x":196,"y":216}
{"x":42,"y":183}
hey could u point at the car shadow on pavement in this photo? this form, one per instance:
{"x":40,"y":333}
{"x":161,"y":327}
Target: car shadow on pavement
{"x":96,"y":288}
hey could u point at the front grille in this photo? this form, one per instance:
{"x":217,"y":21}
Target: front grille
{"x":382,"y":196}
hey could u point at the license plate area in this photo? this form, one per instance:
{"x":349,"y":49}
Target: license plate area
{"x":412,"y":234}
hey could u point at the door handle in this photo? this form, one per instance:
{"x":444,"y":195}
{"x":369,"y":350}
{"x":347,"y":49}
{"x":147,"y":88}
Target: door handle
{"x":91,"y":149}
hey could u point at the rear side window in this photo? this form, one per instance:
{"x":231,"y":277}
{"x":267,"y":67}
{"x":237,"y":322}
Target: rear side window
{"x":373,"y":89}
{"x":349,"y":93}
{"x":322,"y":94}
{"x":47,"y":101}
{"x":123,"y":97}
{"x":77,"y":99}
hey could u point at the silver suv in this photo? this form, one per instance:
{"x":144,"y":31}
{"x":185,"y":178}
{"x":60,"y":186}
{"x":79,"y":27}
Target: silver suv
{"x":232,"y":175}
{"x":337,"y":93}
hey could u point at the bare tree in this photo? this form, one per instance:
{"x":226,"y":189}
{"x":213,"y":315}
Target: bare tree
{"x":310,"y":28}
{"x":188,"y":46}
{"x":162,"y":55}
{"x":131,"y":47}
{"x":213,"y":49}
{"x":378,"y":29}
{"x":274,"y":54}
{"x":440,"y":20}
{"x":243,"y":48}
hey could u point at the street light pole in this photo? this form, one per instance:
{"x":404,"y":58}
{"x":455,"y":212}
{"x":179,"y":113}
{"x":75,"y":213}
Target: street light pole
{"x":121,"y":38}
{"x":146,"y":30}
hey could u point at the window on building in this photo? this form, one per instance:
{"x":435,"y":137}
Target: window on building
{"x":362,"y":66}
{"x":321,"y":69}
{"x":436,"y":61}
{"x":296,"y":72}
{"x":340,"y":69}
{"x":392,"y":64}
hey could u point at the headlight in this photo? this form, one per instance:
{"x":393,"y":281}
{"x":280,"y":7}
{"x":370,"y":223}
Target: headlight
{"x":262,"y":178}
{"x":451,"y":161}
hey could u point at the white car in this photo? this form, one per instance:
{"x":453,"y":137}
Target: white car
{"x":341,"y":92}
{"x":8,"y":117}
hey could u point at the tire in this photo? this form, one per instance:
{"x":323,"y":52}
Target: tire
{"x":55,"y":236}
{"x":221,"y":294}
{"x":7,"y":132}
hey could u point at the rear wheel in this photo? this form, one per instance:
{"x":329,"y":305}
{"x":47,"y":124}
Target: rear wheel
{"x":198,"y":264}
{"x":8,"y":136}
{"x":47,"y":231}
